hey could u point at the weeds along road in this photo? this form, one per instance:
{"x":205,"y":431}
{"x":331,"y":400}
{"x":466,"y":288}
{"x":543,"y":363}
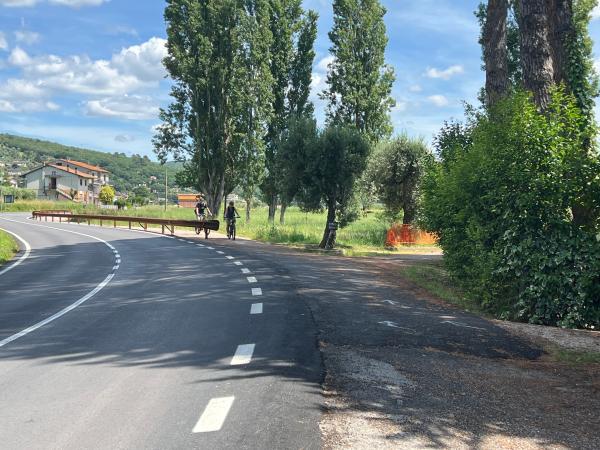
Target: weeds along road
{"x":118,"y":339}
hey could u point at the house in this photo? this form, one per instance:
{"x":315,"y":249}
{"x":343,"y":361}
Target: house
{"x":187,"y":200}
{"x":66,"y":179}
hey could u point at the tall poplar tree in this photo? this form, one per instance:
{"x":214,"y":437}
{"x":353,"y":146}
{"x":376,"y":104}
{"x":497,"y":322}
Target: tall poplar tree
{"x":359,"y":81}
{"x":216,"y":58}
{"x":292,"y":36}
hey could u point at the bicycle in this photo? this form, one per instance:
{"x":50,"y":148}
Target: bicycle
{"x":198,"y":229}
{"x":231,"y":229}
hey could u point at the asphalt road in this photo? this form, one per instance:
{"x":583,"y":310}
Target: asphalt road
{"x":174,"y":349}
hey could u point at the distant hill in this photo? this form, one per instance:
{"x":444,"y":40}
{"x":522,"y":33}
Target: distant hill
{"x":126,"y":172}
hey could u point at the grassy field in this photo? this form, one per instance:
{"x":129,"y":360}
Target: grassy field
{"x":8,"y":247}
{"x":363,"y":237}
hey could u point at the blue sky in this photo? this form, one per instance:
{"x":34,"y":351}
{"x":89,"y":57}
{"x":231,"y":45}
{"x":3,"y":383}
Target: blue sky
{"x":88,"y":72}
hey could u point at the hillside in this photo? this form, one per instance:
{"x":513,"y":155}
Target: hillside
{"x":126,"y":172}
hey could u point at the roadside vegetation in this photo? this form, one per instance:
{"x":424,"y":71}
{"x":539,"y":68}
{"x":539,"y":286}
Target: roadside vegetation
{"x":8,"y":247}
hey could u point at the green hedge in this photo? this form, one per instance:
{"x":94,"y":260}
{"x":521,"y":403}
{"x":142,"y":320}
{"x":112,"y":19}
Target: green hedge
{"x":515,"y":203}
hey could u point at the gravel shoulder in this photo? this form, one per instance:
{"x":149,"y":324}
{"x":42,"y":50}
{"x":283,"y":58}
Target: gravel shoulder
{"x":405,"y":370}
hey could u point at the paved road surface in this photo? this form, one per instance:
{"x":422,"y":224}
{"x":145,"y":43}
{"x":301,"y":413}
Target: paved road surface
{"x":146,"y":362}
{"x":150,"y":360}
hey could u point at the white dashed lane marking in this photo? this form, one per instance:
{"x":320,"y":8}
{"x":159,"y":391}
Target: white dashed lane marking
{"x":256,"y":308}
{"x":251,"y":279}
{"x":244,"y":270}
{"x":229,"y":257}
{"x":214,"y":415}
{"x":237,"y":263}
{"x":256,"y":291}
{"x":220,"y":252}
{"x":243,"y":354}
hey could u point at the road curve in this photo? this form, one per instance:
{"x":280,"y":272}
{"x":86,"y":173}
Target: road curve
{"x":180,"y":348}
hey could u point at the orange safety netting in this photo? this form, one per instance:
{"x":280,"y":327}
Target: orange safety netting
{"x":403,"y":234}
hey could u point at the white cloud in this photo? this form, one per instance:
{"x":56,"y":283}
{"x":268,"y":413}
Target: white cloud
{"x":135,"y":67}
{"x":18,"y":57}
{"x":114,"y":87}
{"x":69,"y":3}
{"x":438,"y":100}
{"x":143,"y":61}
{"x":27,"y":37}
{"x":596,"y":13}
{"x":24,"y":96}
{"x":129,"y":107}
{"x":3,"y":43}
{"x":323,"y":64}
{"x":445,"y":74}
{"x":18,"y":3}
{"x":415,"y":88}
{"x":124,"y":138}
{"x":400,"y":107}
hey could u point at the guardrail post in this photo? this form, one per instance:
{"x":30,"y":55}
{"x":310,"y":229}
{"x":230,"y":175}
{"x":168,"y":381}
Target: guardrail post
{"x":115,"y":224}
{"x":163,"y":229}
{"x":100,"y":222}
{"x":130,"y":224}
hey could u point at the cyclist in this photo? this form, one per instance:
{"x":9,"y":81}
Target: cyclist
{"x":201,"y":208}
{"x":230,"y":215}
{"x":201,"y":211}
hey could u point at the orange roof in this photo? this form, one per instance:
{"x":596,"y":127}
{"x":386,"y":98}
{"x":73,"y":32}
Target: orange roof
{"x":73,"y":171}
{"x":187,"y":196}
{"x":85,"y":165}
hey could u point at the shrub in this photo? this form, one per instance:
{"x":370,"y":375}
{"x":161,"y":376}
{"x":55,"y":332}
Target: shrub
{"x":507,"y":209}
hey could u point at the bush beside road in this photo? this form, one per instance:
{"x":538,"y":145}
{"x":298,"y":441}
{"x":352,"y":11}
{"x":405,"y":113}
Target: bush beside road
{"x":8,"y":247}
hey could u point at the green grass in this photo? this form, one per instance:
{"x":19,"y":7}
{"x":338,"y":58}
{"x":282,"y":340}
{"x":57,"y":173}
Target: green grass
{"x":432,"y":277}
{"x":365,"y":237}
{"x":8,"y":247}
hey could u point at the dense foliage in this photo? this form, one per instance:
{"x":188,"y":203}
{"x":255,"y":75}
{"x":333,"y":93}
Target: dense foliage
{"x":335,"y":159}
{"x":107,"y":195}
{"x":359,"y":82}
{"x":126,"y":172}
{"x":502,"y":202}
{"x":395,"y":169}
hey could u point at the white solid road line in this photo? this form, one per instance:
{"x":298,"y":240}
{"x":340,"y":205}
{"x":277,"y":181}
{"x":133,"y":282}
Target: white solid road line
{"x":256,"y":291}
{"x":72,"y":306}
{"x":243,"y":354}
{"x":256,"y":308}
{"x":251,"y":279}
{"x":237,"y":263}
{"x":23,"y":257}
{"x":244,"y":270}
{"x":214,"y":415}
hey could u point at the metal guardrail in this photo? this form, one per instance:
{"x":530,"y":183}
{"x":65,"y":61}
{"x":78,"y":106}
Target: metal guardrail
{"x":166,"y":224}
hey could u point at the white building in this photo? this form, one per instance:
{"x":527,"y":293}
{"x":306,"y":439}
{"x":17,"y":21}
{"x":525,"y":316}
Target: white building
{"x":66,"y":179}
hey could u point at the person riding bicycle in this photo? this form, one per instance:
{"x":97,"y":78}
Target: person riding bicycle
{"x":230,"y":215}
{"x":201,"y":208}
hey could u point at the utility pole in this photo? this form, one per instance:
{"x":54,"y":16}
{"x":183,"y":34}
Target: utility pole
{"x":166,"y":188}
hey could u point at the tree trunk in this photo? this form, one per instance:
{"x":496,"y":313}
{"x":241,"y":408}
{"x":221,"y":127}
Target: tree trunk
{"x":561,"y":33}
{"x":330,"y":218}
{"x":536,"y":52}
{"x":495,"y":51}
{"x":248,"y":206}
{"x":272,"y":208}
{"x":282,"y":213}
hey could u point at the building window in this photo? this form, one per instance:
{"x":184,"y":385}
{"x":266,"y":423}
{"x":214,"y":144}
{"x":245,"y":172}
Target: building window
{"x":80,"y":182}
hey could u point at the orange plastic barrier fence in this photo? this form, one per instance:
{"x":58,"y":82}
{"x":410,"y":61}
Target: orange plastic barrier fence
{"x":403,"y":234}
